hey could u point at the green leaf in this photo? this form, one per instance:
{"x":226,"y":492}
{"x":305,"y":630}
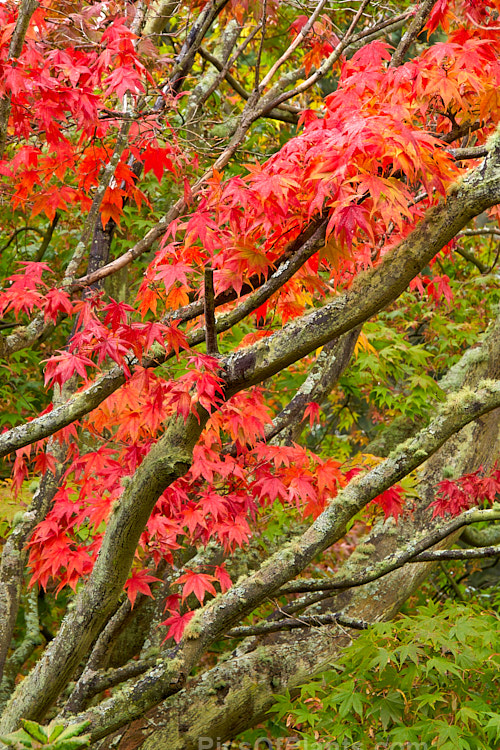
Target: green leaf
{"x":35,"y":730}
{"x":17,"y":739}
{"x":430,"y":699}
{"x":492,"y":727}
{"x":71,"y":731}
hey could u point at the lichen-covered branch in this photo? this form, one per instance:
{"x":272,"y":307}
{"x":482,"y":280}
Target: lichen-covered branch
{"x":13,"y":561}
{"x":32,"y":639}
{"x":370,"y":292}
{"x":332,"y":361}
{"x":458,"y":554}
{"x":416,"y":552}
{"x":293,"y":623}
{"x":219,"y":616}
{"x":486,"y":537}
{"x":169,"y":458}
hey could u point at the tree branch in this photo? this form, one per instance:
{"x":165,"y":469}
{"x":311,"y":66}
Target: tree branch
{"x":26,"y":10}
{"x":416,"y":26}
{"x":415,"y":553}
{"x":22,"y":653}
{"x":481,"y":537}
{"x":269,"y":102}
{"x":292,"y":623}
{"x":13,"y":560}
{"x":332,"y":361}
{"x":220,"y":615}
{"x":471,"y":258}
{"x":472,"y":152}
{"x":369,"y":293}
{"x":18,"y":231}
{"x":458,"y":554}
{"x":293,"y":46}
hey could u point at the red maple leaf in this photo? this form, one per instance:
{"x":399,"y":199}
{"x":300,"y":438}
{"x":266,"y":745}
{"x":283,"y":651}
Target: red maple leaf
{"x":391,"y":501}
{"x":61,"y":367}
{"x":223,"y":578}
{"x":176,"y":624}
{"x":312,"y":411}
{"x":198,"y":584}
{"x":138,"y":582}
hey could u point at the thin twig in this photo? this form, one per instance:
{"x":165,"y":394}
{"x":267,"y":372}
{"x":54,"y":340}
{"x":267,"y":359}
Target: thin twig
{"x":18,"y":231}
{"x":293,"y":46}
{"x":324,"y":67}
{"x":483,"y":231}
{"x":497,"y":255}
{"x":387,"y":24}
{"x":47,"y":237}
{"x":284,"y":112}
{"x":261,"y":45}
{"x":454,"y":585}
{"x":470,"y":258}
{"x":309,"y":621}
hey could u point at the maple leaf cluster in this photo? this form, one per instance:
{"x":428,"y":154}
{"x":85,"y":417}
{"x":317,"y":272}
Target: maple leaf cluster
{"x":74,"y":88}
{"x":456,"y":496}
{"x":361,"y":162}
{"x":371,"y":161}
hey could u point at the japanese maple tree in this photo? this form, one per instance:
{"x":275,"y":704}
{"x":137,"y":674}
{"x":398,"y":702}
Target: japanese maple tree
{"x":249,"y":344}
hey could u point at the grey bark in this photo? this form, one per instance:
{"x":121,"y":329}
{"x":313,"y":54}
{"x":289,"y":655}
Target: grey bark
{"x":235,"y":694}
{"x":370,"y":293}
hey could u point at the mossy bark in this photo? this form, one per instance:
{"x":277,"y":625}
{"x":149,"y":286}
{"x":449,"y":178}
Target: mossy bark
{"x":167,"y":460}
{"x":235,"y":694}
{"x":171,"y":456}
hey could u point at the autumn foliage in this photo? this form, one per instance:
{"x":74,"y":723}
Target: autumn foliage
{"x":346,"y":163}
{"x":99,"y":148}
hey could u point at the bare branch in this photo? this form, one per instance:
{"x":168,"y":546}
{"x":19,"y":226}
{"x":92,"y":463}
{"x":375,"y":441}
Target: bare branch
{"x":409,"y":37}
{"x":93,"y":214}
{"x":307,"y":621}
{"x":47,"y":237}
{"x":486,"y":537}
{"x":26,"y":10}
{"x":293,"y":46}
